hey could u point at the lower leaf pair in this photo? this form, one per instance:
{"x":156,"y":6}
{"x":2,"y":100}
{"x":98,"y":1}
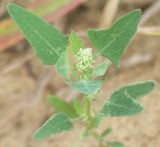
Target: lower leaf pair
{"x":123,"y":102}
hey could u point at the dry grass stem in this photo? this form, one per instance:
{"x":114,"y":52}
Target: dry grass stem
{"x":109,"y":12}
{"x":150,"y":12}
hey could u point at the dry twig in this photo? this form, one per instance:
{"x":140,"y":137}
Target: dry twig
{"x":154,"y":30}
{"x":3,"y":4}
{"x":137,"y":60}
{"x":150,"y":12}
{"x":17,"y":64}
{"x":41,"y":85}
{"x":108,"y":16}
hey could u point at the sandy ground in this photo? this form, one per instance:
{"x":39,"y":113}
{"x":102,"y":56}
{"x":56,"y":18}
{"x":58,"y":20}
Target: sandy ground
{"x":21,"y":113}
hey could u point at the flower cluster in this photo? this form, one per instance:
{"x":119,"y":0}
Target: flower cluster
{"x":84,"y":60}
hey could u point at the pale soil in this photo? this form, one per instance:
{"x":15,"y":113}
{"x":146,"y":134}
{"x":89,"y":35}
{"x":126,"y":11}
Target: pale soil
{"x":21,"y":114}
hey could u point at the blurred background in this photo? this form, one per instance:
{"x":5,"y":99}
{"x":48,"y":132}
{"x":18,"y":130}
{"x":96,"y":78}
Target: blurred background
{"x":25,"y":82}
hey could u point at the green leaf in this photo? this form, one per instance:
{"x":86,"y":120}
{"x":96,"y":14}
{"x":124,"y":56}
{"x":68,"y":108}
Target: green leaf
{"x":112,"y":42}
{"x":106,"y":132}
{"x":136,"y":90}
{"x":75,"y":42}
{"x":62,"y":65}
{"x":62,"y":106}
{"x":86,"y":87}
{"x":101,"y":69}
{"x":57,"y":123}
{"x":123,"y":101}
{"x":47,"y":41}
{"x":121,"y":106}
{"x":115,"y":144}
{"x":77,"y":106}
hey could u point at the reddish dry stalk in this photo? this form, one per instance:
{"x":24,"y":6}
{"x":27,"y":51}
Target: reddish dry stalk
{"x":12,"y":39}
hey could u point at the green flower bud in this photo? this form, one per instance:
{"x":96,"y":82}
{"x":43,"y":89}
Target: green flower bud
{"x":84,"y":60}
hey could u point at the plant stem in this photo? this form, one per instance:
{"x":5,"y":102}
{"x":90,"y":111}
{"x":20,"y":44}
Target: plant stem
{"x":89,"y":113}
{"x":90,"y":121}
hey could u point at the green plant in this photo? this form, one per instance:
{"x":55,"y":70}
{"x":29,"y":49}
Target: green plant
{"x":81,"y":73}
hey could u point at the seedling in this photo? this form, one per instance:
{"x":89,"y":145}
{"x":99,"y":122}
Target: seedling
{"x":83,"y":74}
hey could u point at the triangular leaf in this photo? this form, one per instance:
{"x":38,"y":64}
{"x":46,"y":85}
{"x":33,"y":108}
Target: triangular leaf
{"x":112,"y":42}
{"x":57,"y":123}
{"x":136,"y":90}
{"x":123,"y":101}
{"x":47,"y":41}
{"x":62,"y":65}
{"x":121,"y":106}
{"x":100,"y":69}
{"x":75,"y":42}
{"x":86,"y":87}
{"x":62,"y":106}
